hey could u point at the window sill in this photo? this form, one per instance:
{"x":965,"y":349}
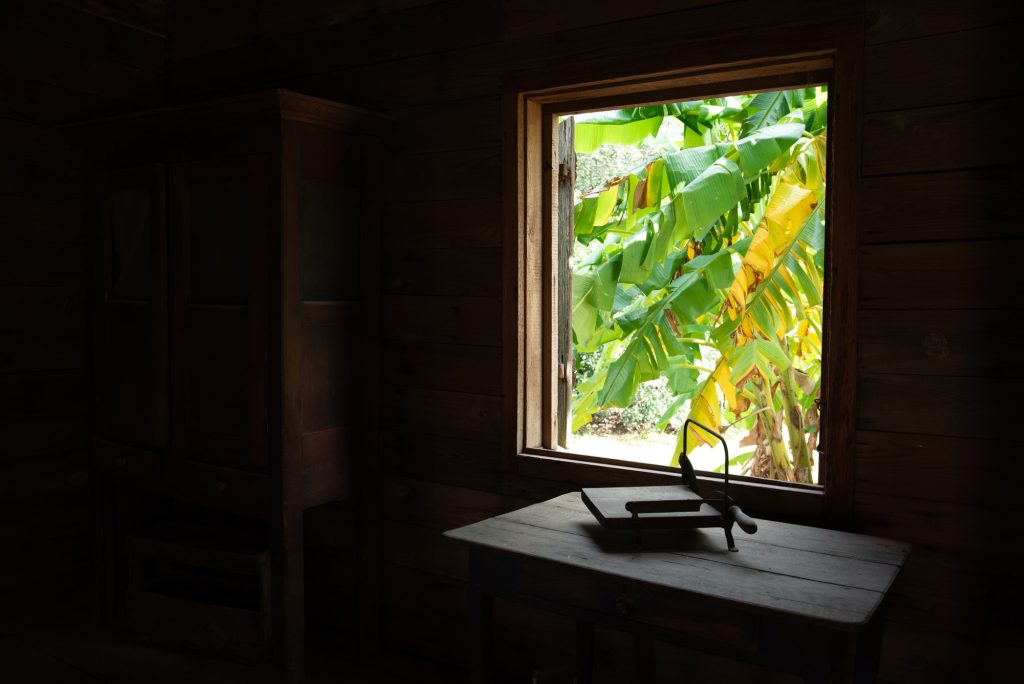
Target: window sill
{"x":788,"y":502}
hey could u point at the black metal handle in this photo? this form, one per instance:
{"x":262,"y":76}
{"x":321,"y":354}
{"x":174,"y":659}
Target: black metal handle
{"x":721,"y":439}
{"x":746,"y":523}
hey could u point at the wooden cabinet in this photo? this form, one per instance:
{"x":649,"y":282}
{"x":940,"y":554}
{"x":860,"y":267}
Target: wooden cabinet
{"x":234,"y":329}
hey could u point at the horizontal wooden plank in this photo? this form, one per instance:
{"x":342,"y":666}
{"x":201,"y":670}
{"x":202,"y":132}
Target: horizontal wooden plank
{"x":43,"y":412}
{"x":50,"y":104}
{"x":424,"y":613}
{"x":196,"y":625}
{"x":36,"y":263}
{"x":444,"y":223}
{"x":42,"y":308}
{"x":279,"y":17}
{"x":443,"y":460}
{"x":40,"y":177}
{"x":57,"y":22}
{"x":533,"y":17}
{"x":458,"y":320}
{"x":410,"y":33}
{"x":199,"y":29}
{"x":445,"y":76}
{"x":50,"y":394}
{"x":449,"y":367}
{"x":440,"y":507}
{"x":934,"y":468}
{"x":25,"y":139}
{"x":457,"y":272}
{"x":976,"y":64}
{"x":647,"y":44}
{"x":36,"y":218}
{"x":944,"y":275}
{"x":619,"y":651}
{"x":21,"y":661}
{"x":145,"y":14}
{"x":78,"y":71}
{"x":41,"y":482}
{"x":449,"y":414}
{"x":952,"y":136}
{"x":926,"y":656}
{"x":459,"y":125}
{"x":941,"y":526}
{"x":454,"y":175}
{"x":107,"y":655}
{"x":888,"y":21}
{"x":962,"y":342}
{"x":41,"y":434}
{"x":42,"y":351}
{"x":955,"y":205}
{"x":985,"y":408}
{"x":945,"y":591}
{"x":425,"y":549}
{"x":532,"y":644}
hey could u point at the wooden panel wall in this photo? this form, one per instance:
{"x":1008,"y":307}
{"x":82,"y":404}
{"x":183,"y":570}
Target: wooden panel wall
{"x":60,"y":62}
{"x":936,"y":411}
{"x":939,"y":238}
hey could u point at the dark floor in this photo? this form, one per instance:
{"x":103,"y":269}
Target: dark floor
{"x":82,"y":655}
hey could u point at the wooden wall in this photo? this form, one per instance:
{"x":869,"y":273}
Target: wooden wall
{"x":60,"y":62}
{"x":936,"y":407}
{"x":939,"y":238}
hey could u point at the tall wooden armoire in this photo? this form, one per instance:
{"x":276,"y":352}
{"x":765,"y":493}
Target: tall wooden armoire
{"x":235,"y":343}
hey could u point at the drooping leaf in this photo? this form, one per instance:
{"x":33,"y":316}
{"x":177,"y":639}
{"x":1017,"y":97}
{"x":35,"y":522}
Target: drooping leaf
{"x":591,"y":134}
{"x":764,"y":110}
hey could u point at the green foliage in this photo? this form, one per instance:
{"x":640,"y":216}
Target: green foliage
{"x":649,"y":403}
{"x":713,"y":241}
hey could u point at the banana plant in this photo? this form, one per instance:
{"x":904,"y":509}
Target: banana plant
{"x":718,"y":245}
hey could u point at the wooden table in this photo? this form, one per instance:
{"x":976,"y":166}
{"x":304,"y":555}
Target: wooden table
{"x":798,"y":599}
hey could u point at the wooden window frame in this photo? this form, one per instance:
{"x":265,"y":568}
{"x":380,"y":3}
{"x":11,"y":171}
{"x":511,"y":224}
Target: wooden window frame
{"x":531,"y":105}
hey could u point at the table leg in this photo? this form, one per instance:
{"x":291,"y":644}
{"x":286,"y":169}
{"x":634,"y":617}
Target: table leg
{"x":584,"y":652}
{"x":869,"y":649}
{"x":479,"y":634}
{"x":643,"y":658}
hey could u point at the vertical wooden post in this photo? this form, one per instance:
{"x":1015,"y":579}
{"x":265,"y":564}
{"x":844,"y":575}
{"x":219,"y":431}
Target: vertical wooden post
{"x":563,"y":275}
{"x":287,"y":589}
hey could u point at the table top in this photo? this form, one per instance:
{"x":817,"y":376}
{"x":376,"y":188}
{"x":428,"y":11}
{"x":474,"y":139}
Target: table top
{"x":821,"y":575}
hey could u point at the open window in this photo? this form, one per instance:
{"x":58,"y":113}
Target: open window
{"x":685,"y":247}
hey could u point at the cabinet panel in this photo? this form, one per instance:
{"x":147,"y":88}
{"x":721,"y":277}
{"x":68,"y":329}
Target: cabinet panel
{"x":131,"y":244}
{"x":328,"y":241}
{"x":235,"y":300}
{"x":216,"y":368}
{"x":128,"y":356}
{"x":330,"y":376}
{"x":131,"y":311}
{"x":219,"y":241}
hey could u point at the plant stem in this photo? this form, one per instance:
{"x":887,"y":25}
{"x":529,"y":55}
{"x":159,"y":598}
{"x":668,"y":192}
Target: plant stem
{"x":795,"y":423}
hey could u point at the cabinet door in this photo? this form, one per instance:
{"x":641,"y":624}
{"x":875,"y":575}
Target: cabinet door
{"x":219,"y":239}
{"x":131,"y":308}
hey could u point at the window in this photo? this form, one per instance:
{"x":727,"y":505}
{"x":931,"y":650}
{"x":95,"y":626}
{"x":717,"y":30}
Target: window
{"x":668,"y":289}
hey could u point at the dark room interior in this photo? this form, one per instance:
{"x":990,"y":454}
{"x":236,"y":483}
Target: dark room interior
{"x":287,"y":355}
